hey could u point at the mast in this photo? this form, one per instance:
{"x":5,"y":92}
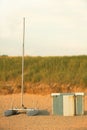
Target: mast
{"x":22,"y":85}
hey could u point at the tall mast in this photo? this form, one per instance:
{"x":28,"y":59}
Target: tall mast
{"x":22,"y":87}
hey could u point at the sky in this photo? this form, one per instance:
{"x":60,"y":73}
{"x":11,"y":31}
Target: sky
{"x":52,"y":27}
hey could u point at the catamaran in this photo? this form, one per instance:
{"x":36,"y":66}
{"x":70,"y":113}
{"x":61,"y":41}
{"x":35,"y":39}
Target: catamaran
{"x":28,"y":111}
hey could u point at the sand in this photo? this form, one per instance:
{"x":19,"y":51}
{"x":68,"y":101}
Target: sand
{"x":44,"y":121}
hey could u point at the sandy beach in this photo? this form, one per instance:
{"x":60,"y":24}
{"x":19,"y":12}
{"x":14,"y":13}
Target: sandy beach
{"x":44,"y":121}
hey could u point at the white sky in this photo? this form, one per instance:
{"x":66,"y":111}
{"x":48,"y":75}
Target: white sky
{"x":53,"y":27}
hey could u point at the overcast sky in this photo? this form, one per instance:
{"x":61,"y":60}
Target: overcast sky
{"x":53,"y":27}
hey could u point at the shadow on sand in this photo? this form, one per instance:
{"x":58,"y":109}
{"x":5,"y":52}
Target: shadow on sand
{"x":85,"y":113}
{"x":43,"y":112}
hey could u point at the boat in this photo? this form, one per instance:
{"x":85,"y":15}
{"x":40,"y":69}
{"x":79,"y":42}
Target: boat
{"x":23,"y":109}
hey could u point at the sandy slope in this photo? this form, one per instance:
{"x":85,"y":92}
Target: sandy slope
{"x":44,"y":121}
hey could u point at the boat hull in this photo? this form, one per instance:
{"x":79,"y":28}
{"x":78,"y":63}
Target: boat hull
{"x":10,"y":112}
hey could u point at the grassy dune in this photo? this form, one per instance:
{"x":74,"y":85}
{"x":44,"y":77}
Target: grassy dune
{"x":43,"y":74}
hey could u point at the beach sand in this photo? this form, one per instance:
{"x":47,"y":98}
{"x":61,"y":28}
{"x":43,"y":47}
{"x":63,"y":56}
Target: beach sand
{"x":44,"y":121}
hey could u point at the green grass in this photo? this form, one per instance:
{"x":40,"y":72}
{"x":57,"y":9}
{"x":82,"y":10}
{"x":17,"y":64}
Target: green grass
{"x":61,"y":70}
